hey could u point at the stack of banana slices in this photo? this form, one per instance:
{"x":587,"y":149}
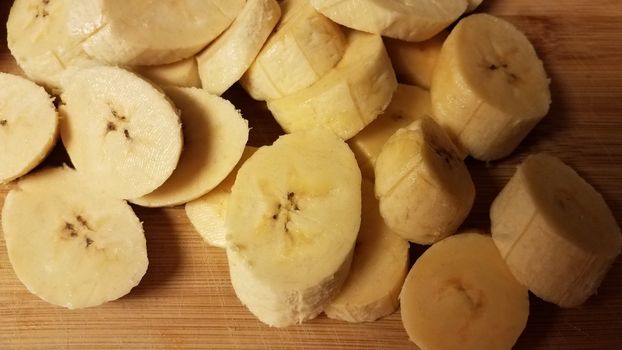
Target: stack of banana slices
{"x":381,"y":103}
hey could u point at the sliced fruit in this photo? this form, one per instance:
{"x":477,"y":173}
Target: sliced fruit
{"x":28,"y":126}
{"x":489,"y":88}
{"x":293,"y":217}
{"x":83,"y":249}
{"x":555,"y":231}
{"x":424,"y":188}
{"x":184,"y":73}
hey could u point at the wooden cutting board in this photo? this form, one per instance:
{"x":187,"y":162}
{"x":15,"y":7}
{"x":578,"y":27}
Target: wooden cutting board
{"x":186,"y":301}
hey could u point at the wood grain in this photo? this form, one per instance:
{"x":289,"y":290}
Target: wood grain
{"x":185,"y":300}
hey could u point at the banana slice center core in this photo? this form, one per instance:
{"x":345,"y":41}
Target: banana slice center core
{"x":77,"y":228}
{"x":502,"y":68}
{"x":118,"y":122}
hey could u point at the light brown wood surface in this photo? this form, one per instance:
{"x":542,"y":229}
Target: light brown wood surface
{"x":186,"y":301}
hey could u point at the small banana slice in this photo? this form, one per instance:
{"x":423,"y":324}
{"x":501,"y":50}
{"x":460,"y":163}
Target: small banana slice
{"x":83,"y":249}
{"x":184,"y":73}
{"x":555,"y":231}
{"x":489,"y":88}
{"x":293,"y":217}
{"x":208,"y":213}
{"x":460,"y":295}
{"x":347,"y":98}
{"x":28,"y":126}
{"x":304,"y":47}
{"x":424,"y":188}
{"x":379,"y":266}
{"x":408,"y":104}
{"x":409,"y":20}
{"x":228,"y":57}
{"x":120,"y":131}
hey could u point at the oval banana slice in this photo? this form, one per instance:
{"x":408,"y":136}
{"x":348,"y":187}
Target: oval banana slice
{"x":184,"y":73}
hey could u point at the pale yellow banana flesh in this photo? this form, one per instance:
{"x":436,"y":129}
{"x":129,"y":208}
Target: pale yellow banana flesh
{"x":184,"y":73}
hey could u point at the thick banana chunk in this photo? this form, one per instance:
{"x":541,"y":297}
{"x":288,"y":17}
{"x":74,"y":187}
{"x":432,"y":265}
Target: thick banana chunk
{"x":554,"y":231}
{"x":184,"y":73}
{"x":347,"y":98}
{"x":28,"y":126}
{"x":408,"y":104}
{"x":122,"y":133}
{"x":123,"y":32}
{"x":424,"y":188}
{"x":489,"y":88}
{"x":293,"y":218}
{"x":303,"y":48}
{"x":226,"y":59}
{"x":461,"y":295}
{"x":379,"y":266}
{"x":409,"y":20}
{"x":83,"y":249}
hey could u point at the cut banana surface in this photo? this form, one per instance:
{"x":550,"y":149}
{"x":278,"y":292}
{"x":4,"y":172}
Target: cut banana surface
{"x":410,"y":20}
{"x":555,"y":231}
{"x":489,"y":88}
{"x":304,"y":47}
{"x":424,"y":188}
{"x":184,"y":73}
{"x":379,"y":266}
{"x":461,"y":295}
{"x":83,"y":249}
{"x":28,"y":131}
{"x":347,"y":98}
{"x":226,"y":59}
{"x":120,"y":132}
{"x":293,"y":218}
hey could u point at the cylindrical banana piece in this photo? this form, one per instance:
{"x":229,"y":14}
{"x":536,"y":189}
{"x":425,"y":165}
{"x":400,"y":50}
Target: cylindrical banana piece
{"x":555,"y":231}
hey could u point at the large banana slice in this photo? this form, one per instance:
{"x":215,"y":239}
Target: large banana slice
{"x":489,"y":89}
{"x":184,"y":73}
{"x":408,"y":104}
{"x":424,"y":188}
{"x":304,"y":47}
{"x":28,"y":126}
{"x":83,"y":249}
{"x":410,"y":20}
{"x":379,"y":266}
{"x":214,"y":137}
{"x":119,"y":131}
{"x":461,"y":295}
{"x":555,"y":231}
{"x":208,"y":213}
{"x":347,"y":98}
{"x":226,"y":59}
{"x":293,"y":218}
{"x":149,"y":32}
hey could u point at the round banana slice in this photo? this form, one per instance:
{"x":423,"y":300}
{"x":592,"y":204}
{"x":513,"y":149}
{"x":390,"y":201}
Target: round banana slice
{"x":424,"y":188}
{"x":226,"y":59}
{"x":293,"y":217}
{"x":379,"y":266}
{"x":460,"y":295}
{"x":120,"y":132}
{"x":304,"y":47}
{"x":83,"y":249}
{"x":489,"y":88}
{"x":28,"y":126}
{"x":184,"y":73}
{"x":409,"y":20}
{"x":555,"y":231}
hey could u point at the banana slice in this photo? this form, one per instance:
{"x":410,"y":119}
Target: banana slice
{"x":83,"y":249}
{"x":214,"y":134}
{"x":184,"y":73}
{"x":461,"y":295}
{"x":408,"y":104}
{"x":489,"y":88}
{"x":347,"y":98}
{"x":378,"y":269}
{"x":293,"y":218}
{"x":28,"y":126}
{"x":555,"y":231}
{"x":120,"y":131}
{"x":122,"y":32}
{"x":424,"y":188}
{"x":207,"y":214}
{"x":410,"y":20}
{"x":303,"y":48}
{"x":226,"y":59}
